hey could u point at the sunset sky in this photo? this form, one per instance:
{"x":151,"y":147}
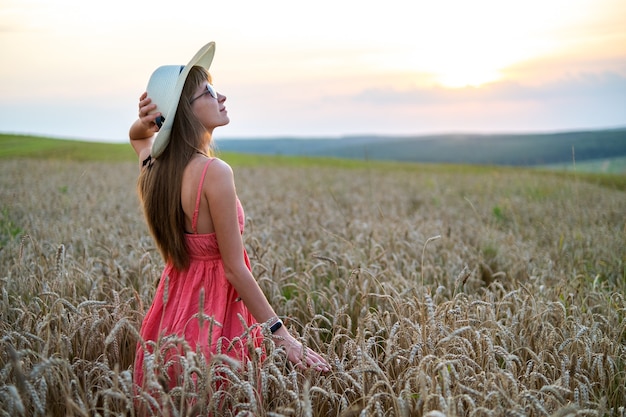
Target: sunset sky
{"x":75,"y":69}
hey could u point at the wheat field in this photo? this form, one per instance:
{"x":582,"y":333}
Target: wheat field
{"x":431,"y":292}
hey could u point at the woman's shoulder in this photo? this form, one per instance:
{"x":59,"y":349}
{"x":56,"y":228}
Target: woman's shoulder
{"x":219,"y":175}
{"x":218,"y":166}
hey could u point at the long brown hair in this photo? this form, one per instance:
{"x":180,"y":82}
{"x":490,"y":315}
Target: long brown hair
{"x":160,"y":183}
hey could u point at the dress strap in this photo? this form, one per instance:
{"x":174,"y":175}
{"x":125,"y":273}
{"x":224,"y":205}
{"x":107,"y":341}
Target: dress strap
{"x":194,"y":220}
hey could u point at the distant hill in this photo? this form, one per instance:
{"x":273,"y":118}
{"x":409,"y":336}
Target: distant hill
{"x":494,"y":149}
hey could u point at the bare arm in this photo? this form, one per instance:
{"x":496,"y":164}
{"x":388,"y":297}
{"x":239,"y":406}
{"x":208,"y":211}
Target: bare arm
{"x":142,"y":131}
{"x":222,"y":197}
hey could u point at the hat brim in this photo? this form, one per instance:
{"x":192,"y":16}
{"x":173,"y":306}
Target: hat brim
{"x":202,"y":58}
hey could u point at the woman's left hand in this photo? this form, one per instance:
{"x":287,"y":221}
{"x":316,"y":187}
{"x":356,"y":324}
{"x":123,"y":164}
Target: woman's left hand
{"x":302,"y":357}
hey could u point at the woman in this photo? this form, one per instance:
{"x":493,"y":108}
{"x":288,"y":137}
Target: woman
{"x":192,"y":210}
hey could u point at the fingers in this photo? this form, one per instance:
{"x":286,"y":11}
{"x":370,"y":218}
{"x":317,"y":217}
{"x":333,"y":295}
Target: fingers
{"x":316,"y":361}
{"x":302,"y":357}
{"x":306,"y":358}
{"x":146,"y":107}
{"x":143,"y":102}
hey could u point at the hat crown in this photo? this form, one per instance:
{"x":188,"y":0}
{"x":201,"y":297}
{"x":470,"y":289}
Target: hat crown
{"x":162,"y":87}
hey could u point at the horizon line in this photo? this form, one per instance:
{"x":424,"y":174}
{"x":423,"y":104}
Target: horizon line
{"x":476,"y":132}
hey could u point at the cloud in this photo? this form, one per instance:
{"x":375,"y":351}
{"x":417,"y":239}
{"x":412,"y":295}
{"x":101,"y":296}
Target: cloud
{"x":608,"y":85}
{"x":589,"y":100}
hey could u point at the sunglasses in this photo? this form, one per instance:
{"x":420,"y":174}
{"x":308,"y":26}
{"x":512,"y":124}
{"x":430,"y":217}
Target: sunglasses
{"x":209,"y":90}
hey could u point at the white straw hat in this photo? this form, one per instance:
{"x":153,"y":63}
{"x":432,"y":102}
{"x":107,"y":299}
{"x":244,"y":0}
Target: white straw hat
{"x":165,"y":87}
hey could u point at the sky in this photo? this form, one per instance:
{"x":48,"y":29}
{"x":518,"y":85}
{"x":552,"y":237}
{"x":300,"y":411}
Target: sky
{"x":75,"y":69}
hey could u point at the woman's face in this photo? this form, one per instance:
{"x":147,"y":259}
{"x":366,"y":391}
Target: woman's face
{"x":208,"y":106}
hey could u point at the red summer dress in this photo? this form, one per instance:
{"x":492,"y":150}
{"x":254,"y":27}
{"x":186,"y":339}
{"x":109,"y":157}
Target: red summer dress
{"x":176,"y":305}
